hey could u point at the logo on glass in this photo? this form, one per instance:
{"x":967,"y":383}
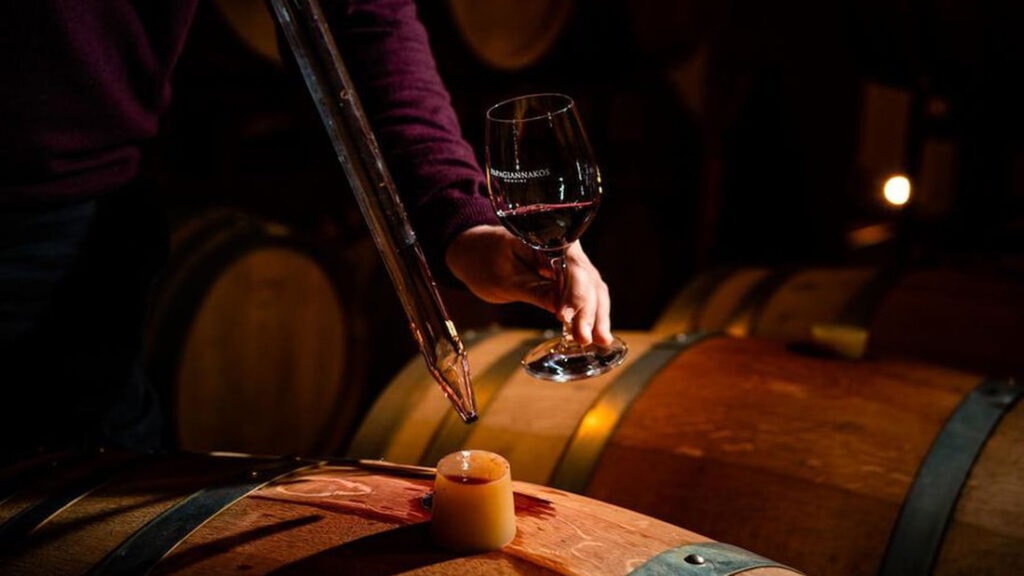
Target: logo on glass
{"x":520,"y":175}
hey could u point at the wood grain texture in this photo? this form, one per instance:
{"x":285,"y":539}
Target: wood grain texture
{"x":250,"y":339}
{"x":810,"y":297}
{"x":85,"y":532}
{"x":990,"y":513}
{"x":803,"y":459}
{"x":530,"y":422}
{"x":264,"y":358}
{"x":531,"y":445}
{"x":338,"y":520}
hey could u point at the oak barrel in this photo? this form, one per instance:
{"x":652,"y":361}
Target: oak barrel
{"x":189,"y":513}
{"x":510,"y":35}
{"x":251,"y":340}
{"x":831,"y":466}
{"x":961,"y":317}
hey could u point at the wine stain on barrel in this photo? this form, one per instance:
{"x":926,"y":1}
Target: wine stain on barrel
{"x":527,"y":505}
{"x":375,"y":555}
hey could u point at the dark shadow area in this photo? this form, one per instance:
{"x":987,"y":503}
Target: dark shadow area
{"x":196,"y":554}
{"x":386,"y":553}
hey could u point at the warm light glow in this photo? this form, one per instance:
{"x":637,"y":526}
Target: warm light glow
{"x":870,"y":235}
{"x":897,"y":190}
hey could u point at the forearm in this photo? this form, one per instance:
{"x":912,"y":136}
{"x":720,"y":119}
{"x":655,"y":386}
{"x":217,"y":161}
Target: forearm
{"x":386,"y":50}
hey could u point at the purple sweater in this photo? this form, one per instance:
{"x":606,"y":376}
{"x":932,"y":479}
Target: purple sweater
{"x":83,"y":84}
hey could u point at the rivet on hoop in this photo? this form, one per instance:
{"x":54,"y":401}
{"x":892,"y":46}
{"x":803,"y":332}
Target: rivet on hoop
{"x":694,"y":559}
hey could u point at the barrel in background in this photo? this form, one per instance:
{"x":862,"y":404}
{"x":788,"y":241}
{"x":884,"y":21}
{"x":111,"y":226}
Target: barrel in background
{"x":132,"y":514}
{"x":252,"y":341}
{"x":960,"y":317}
{"x":510,"y":35}
{"x":805,"y":459}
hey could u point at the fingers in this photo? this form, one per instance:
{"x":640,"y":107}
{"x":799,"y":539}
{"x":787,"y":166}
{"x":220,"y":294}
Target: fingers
{"x":588,"y":300}
{"x":603,"y":324}
{"x":499,"y":268}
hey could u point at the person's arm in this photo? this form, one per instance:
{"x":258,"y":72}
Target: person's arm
{"x":386,"y":50}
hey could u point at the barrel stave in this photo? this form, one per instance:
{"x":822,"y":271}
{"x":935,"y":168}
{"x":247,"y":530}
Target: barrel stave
{"x":804,"y":458}
{"x":752,"y":431}
{"x":989,"y":518}
{"x":250,"y":338}
{"x":316,"y":518}
{"x":81,"y":535}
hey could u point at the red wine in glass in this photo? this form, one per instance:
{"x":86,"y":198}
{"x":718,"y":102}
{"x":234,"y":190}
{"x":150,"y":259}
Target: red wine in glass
{"x":549,"y":226}
{"x":545,"y":186}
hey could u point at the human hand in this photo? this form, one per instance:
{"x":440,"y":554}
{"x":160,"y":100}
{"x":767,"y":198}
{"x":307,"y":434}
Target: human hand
{"x":499,"y":268}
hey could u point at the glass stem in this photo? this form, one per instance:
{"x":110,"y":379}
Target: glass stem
{"x":563,"y":289}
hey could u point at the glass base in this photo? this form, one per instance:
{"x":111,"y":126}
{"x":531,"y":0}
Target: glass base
{"x":558,"y":361}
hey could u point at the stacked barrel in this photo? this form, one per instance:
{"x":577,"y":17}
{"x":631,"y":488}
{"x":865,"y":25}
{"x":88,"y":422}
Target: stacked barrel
{"x":847,"y":421}
{"x":962,"y":316}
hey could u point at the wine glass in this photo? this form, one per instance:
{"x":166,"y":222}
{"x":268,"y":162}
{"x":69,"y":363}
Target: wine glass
{"x":545,"y":186}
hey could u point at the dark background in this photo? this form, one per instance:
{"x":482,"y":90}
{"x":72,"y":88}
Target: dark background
{"x":728,"y":133}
